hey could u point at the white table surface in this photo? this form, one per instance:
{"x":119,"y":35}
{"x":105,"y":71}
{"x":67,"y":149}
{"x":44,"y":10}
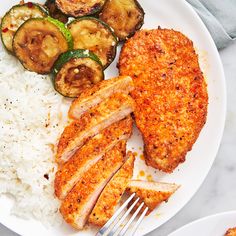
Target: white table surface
{"x":218,"y":192}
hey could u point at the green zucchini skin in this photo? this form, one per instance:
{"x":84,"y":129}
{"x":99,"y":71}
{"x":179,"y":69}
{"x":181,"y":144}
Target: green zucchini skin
{"x":106,"y":54}
{"x":67,"y":58}
{"x":129,"y":12}
{"x":36,"y":10}
{"x":63,"y":30}
{"x":80,"y":8}
{"x":38,"y":51}
{"x":54,"y":12}
{"x":79,"y":53}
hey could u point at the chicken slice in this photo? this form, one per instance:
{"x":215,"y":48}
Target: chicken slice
{"x":92,"y":151}
{"x":111,"y":110}
{"x":80,"y":201}
{"x":100,"y":91}
{"x":151,"y":193}
{"x":112,"y":193}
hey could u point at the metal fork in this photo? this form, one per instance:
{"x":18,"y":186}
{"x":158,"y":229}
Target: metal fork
{"x":119,"y":229}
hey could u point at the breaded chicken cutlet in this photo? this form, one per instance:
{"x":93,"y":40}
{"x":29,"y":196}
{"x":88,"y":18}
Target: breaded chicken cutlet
{"x":80,"y":201}
{"x":112,"y":109}
{"x":231,"y":232}
{"x":170,"y":94}
{"x":92,"y":151}
{"x":112,"y":193}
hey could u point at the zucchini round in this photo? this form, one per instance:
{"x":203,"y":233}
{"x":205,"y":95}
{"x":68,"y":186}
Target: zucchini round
{"x":39,"y":41}
{"x":124,"y":16}
{"x":93,"y":34}
{"x":55,"y":12}
{"x":75,"y":71}
{"x":15,"y":17}
{"x":78,"y":8}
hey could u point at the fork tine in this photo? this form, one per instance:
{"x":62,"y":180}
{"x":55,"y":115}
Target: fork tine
{"x":113,"y":218}
{"x":123,"y":231}
{"x":140,"y":219}
{"x":114,"y":230}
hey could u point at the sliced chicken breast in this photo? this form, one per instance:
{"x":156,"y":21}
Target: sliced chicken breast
{"x":80,"y":201}
{"x":151,"y":193}
{"x":92,"y":151}
{"x":112,"y":193}
{"x":111,"y":110}
{"x":100,"y":91}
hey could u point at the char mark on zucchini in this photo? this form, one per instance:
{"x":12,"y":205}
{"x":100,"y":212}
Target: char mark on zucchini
{"x":124,"y":16}
{"x":75,"y":71}
{"x":55,"y":12}
{"x":78,"y":8}
{"x":39,"y":42}
{"x":15,"y":17}
{"x":93,"y":34}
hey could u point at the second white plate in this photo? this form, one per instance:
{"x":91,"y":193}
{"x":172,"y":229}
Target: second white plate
{"x":214,"y":225}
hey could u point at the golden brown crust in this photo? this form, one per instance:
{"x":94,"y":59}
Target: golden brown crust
{"x":70,"y":172}
{"x":170,"y":94}
{"x":111,"y":110}
{"x":231,"y":232}
{"x":100,"y":91}
{"x":112,"y":193}
{"x":72,"y":208}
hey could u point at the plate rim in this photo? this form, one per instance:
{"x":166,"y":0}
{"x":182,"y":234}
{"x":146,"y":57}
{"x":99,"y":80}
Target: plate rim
{"x":221,"y":129}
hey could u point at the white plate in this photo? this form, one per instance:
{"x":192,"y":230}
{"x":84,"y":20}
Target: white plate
{"x":176,"y":14}
{"x":214,"y":225}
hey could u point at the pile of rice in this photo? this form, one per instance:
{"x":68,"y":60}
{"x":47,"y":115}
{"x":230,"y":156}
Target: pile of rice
{"x":31,"y":121}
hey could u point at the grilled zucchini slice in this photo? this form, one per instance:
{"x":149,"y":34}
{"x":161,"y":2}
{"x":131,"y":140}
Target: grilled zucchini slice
{"x":75,"y":71}
{"x":55,"y":12}
{"x":93,"y":34}
{"x":78,"y":8}
{"x":15,"y":17}
{"x":124,"y":16}
{"x":39,"y":42}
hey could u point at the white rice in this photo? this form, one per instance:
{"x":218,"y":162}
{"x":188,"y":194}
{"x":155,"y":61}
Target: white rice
{"x":30,"y":123}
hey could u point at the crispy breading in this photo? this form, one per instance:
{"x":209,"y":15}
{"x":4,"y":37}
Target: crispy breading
{"x":93,"y":150}
{"x":231,"y":232}
{"x":100,"y":91}
{"x":111,"y":110}
{"x":170,"y":94}
{"x":151,"y":193}
{"x":112,"y":193}
{"x":80,"y":201}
